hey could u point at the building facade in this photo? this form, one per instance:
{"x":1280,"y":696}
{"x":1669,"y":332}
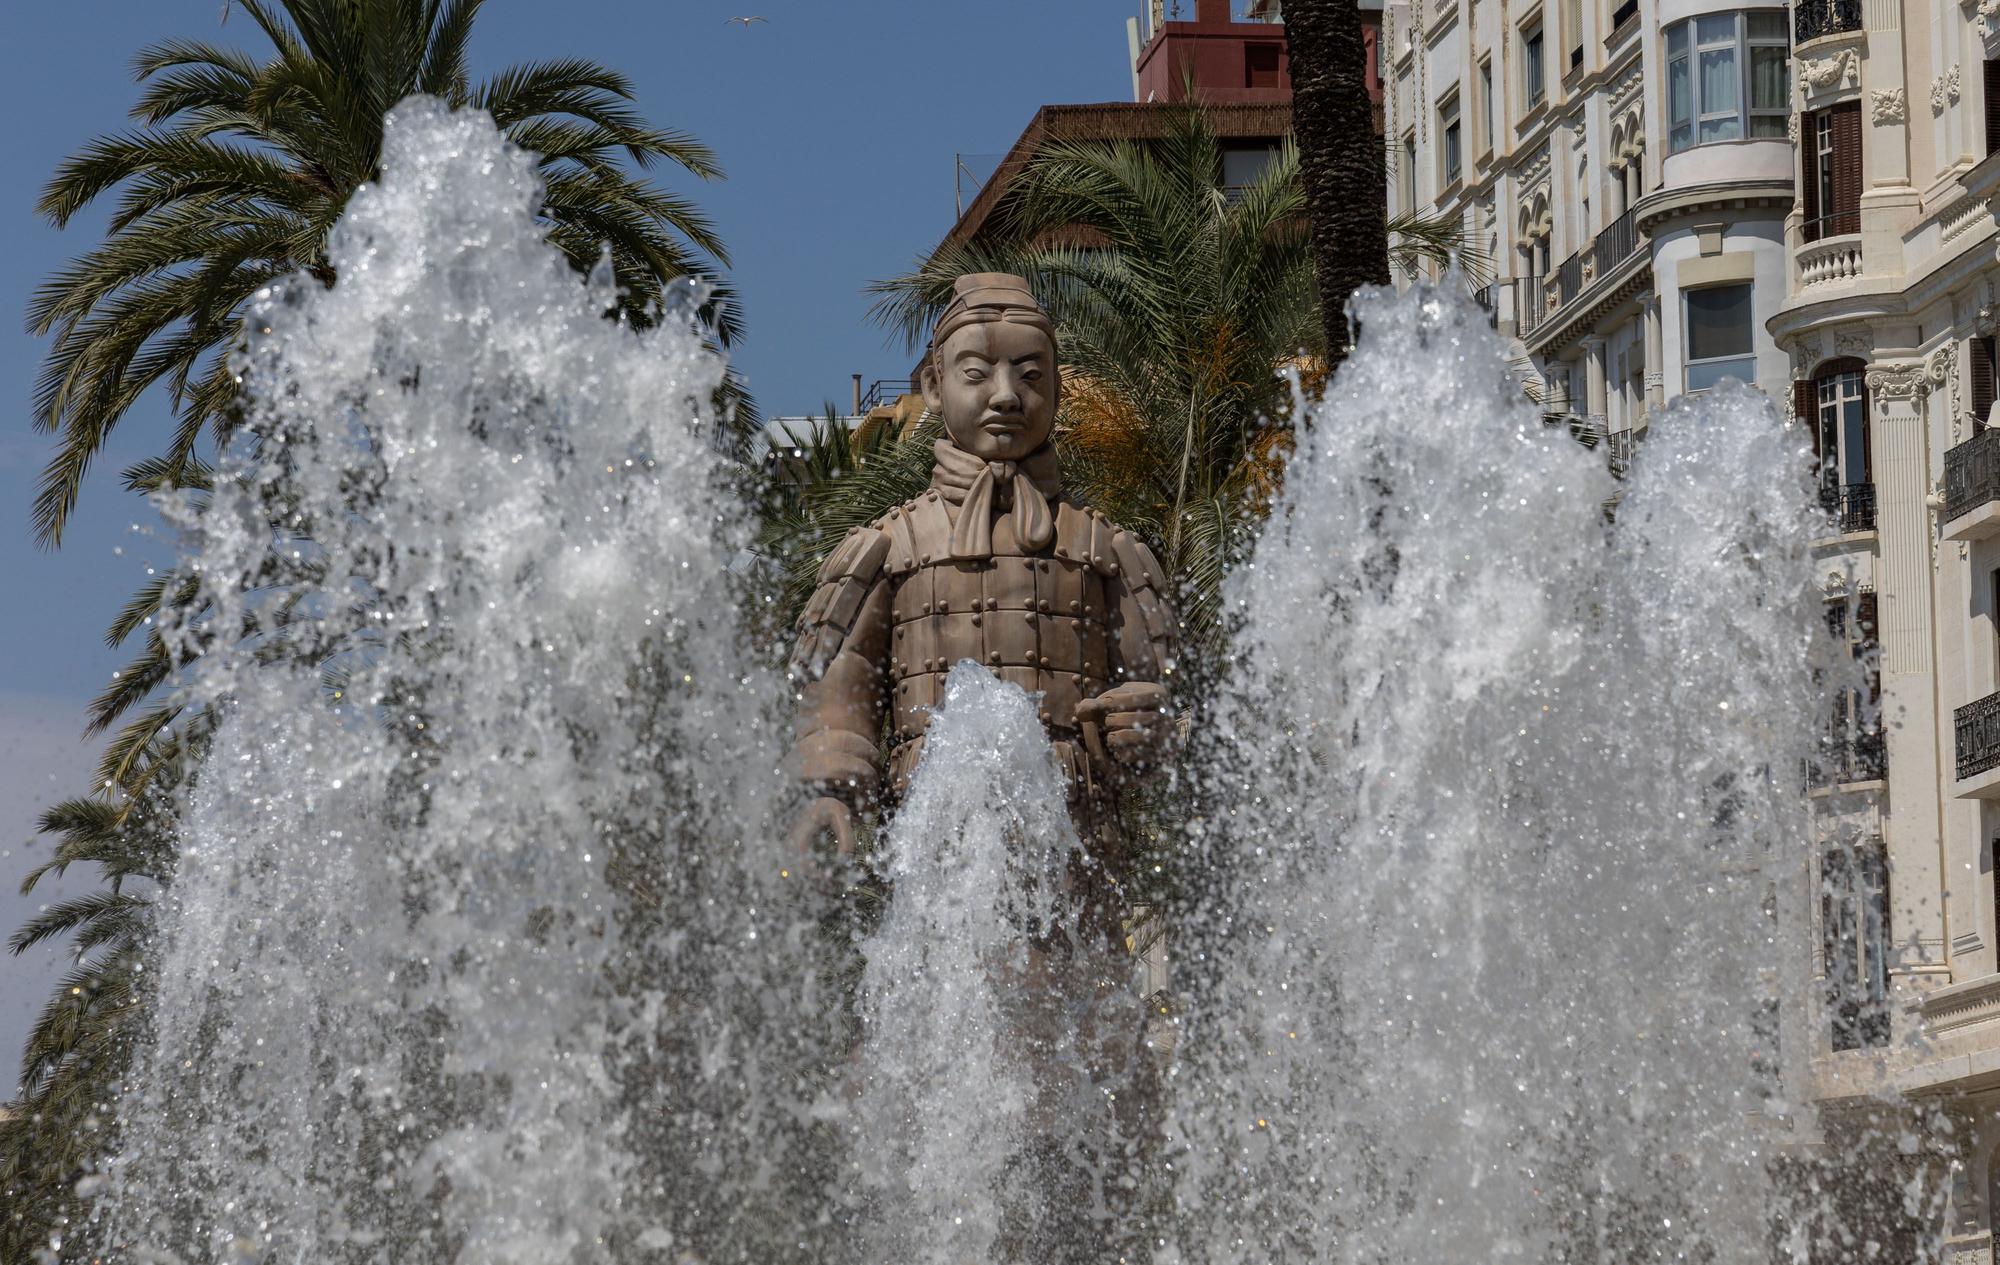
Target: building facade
{"x":1802,"y":197}
{"x":1887,"y":328}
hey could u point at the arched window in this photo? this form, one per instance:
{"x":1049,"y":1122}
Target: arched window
{"x":1834,"y":403}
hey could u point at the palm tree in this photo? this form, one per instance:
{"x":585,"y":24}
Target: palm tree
{"x":1343,"y":163}
{"x":81,"y":1043}
{"x":241,"y":166}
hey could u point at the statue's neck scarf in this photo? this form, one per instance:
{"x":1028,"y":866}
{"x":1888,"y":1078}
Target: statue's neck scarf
{"x":972,"y":484}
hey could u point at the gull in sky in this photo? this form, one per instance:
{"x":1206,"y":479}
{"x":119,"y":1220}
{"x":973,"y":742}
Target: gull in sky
{"x":747,"y":21}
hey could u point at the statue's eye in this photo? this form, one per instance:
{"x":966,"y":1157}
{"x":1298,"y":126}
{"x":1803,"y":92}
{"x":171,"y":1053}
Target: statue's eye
{"x":975,"y":375}
{"x":1031,"y":375}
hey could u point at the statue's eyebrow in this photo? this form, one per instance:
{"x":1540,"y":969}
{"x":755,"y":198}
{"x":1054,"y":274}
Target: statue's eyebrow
{"x":973,"y":352}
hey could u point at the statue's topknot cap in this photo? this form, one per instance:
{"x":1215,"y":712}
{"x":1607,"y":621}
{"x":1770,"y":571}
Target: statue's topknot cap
{"x":990,"y":296}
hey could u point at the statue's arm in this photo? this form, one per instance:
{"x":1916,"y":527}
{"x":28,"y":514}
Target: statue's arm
{"x":839,"y":666}
{"x":1136,"y":713}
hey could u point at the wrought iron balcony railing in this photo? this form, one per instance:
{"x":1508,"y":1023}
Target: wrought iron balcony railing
{"x":1976,"y":736}
{"x":1972,"y":474}
{"x":1614,"y":245}
{"x":1851,"y":504}
{"x":1848,"y":758}
{"x":1814,"y":18}
{"x":1569,"y":278}
{"x":1530,"y":302}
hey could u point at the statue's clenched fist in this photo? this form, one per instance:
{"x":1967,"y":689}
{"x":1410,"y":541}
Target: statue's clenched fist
{"x":1134,"y":719}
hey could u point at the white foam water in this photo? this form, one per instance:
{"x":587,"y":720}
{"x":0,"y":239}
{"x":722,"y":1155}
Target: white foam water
{"x":1486,"y":953}
{"x":488,"y":709}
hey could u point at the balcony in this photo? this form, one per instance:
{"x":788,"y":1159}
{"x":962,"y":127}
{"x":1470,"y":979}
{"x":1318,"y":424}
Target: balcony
{"x":1851,"y":504}
{"x":1976,"y":738}
{"x":1815,"y":18}
{"x":1972,"y":487}
{"x":1614,"y":245}
{"x":1578,"y":274}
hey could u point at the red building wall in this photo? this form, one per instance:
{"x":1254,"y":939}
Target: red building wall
{"x":1243,"y":62}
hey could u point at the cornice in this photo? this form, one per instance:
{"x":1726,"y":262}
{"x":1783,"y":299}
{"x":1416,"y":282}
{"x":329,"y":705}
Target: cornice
{"x":1723,"y":195}
{"x":1575,"y":321}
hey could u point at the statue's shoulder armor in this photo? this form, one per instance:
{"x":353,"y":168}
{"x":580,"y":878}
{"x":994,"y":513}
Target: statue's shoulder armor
{"x":1085,"y":536}
{"x":917,"y":531}
{"x":845,"y":578}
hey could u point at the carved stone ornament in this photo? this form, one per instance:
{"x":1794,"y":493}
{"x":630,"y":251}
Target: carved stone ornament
{"x":1983,"y":323}
{"x":1943,"y":368}
{"x":1834,"y":585}
{"x":1989,"y":18}
{"x":1852,"y":344}
{"x":1944,"y":90}
{"x":1819,"y":76}
{"x":1889,"y":107}
{"x":1792,"y":128}
{"x":1888,"y":383}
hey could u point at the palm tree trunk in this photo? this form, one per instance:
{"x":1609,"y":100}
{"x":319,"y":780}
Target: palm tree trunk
{"x":1340,"y":158}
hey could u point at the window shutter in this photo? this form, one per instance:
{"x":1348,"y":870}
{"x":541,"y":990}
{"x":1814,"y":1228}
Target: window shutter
{"x":1982,"y":380}
{"x":1846,"y":168}
{"x":1805,"y":402}
{"x":1993,"y":107}
{"x":1865,"y":612}
{"x":1809,"y":172}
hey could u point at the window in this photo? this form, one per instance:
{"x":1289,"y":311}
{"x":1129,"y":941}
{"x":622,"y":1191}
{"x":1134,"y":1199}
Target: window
{"x":1728,"y":78}
{"x":1719,"y":339}
{"x":1406,"y":179}
{"x":1573,"y":31}
{"x":1450,"y":152}
{"x":1532,"y":90}
{"x":1831,"y":185}
{"x":1992,"y":74}
{"x":1486,"y":102}
{"x":1245,"y":165}
{"x":1835,"y":404}
{"x":1261,"y":66}
{"x":1854,"y":911}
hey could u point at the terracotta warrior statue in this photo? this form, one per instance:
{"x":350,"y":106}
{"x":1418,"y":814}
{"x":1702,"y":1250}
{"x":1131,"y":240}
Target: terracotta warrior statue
{"x":994,"y":563}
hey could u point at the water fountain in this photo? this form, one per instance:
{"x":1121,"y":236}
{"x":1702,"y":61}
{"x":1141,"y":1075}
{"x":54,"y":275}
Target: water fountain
{"x":485,"y":946}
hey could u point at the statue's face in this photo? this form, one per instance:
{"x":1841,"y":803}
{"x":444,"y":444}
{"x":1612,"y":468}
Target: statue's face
{"x":995,"y":382}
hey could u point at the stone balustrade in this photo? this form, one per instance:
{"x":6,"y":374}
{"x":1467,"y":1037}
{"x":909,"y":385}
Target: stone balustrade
{"x":1829,"y":261}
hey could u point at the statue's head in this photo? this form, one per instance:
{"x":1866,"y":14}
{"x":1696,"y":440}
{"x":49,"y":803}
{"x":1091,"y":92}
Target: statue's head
{"x":991,"y":371}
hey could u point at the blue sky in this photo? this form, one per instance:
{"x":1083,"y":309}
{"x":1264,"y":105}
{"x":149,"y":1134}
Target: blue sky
{"x":836,"y":122}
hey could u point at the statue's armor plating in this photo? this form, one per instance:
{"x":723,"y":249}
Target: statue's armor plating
{"x":1068,"y":621}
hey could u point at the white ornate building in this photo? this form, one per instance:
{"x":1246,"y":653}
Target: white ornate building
{"x":1887,"y":325}
{"x":1803,"y":197}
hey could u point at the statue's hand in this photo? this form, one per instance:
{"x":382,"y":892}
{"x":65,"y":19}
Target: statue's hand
{"x":1134,"y":718}
{"x":824,"y":816}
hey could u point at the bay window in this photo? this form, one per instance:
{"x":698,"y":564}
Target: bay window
{"x":1720,"y":341}
{"x":1728,"y":78}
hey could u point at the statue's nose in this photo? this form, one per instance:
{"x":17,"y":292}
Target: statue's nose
{"x":1006,"y":398}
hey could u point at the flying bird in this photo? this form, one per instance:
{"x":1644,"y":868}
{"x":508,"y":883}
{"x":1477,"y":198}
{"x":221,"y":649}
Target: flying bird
{"x":746,"y":21}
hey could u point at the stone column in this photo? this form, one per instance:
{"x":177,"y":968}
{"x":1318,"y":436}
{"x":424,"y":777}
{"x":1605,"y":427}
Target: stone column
{"x":1594,"y":352}
{"x":1656,"y":381}
{"x":1898,"y":395}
